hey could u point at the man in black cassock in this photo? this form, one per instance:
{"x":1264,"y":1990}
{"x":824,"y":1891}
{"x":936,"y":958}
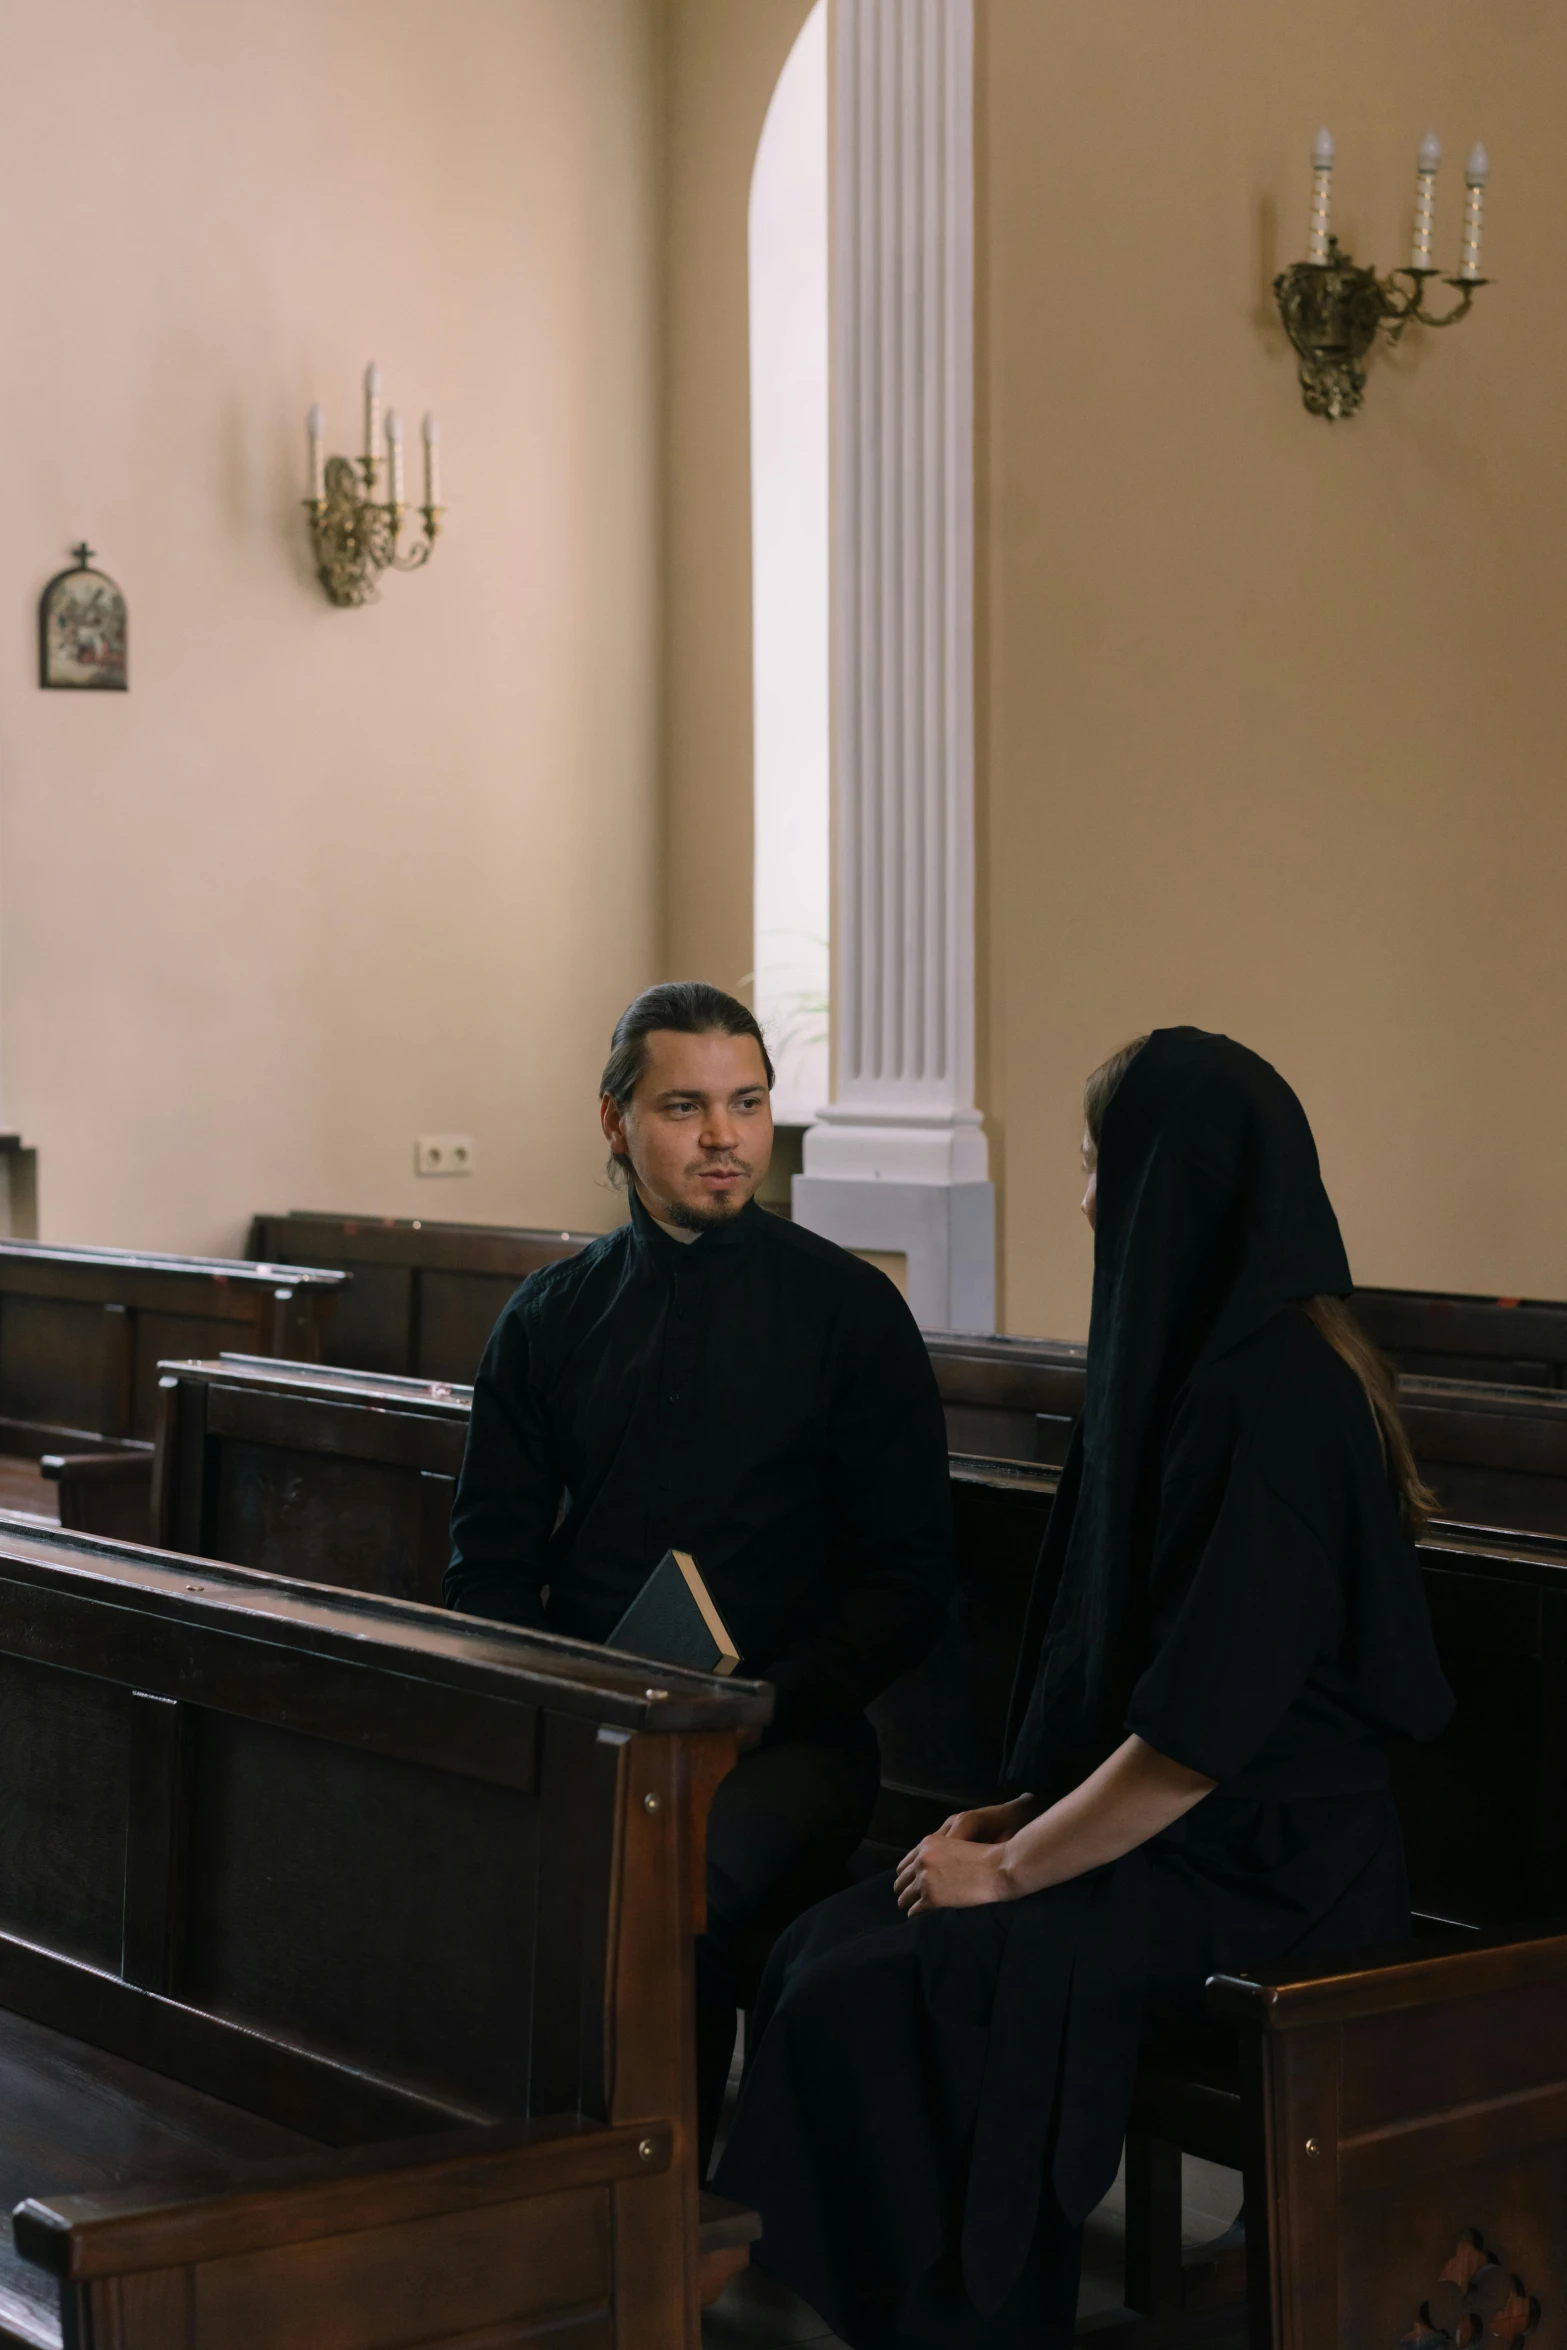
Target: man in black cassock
{"x":714,"y":1379}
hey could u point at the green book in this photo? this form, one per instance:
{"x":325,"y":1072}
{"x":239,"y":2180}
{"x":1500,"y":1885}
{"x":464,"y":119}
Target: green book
{"x":673,"y":1620}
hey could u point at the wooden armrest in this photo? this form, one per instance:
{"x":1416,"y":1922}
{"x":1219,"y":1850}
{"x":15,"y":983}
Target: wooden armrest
{"x":98,"y":1468}
{"x":725,"y":2233}
{"x":1384,"y":1980}
{"x":725,"y":2226}
{"x":131,"y":2229}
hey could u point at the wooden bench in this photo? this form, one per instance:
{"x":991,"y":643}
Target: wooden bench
{"x":346,"y":1478}
{"x":1400,"y":2118}
{"x":82,"y":1330}
{"x":425,"y":1296}
{"x":1515,"y":1341}
{"x":1486,"y":1833}
{"x":345,"y":1967}
{"x":1483,"y":1819}
{"x":349,"y":1479}
{"x":1494,"y":1455}
{"x":1482,"y":1808}
{"x":1500,"y":1341}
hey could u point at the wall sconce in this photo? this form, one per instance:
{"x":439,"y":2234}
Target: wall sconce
{"x":1332,"y":309}
{"x":355,"y":538}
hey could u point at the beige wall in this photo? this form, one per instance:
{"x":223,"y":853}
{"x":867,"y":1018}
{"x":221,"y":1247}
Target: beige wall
{"x":723,"y":61}
{"x":324,"y":880}
{"x":1268,"y":711}
{"x":1272,"y":711}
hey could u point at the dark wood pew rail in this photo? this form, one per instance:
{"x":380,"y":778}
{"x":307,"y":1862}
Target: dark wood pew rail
{"x":1449,"y":1334}
{"x":425,"y":1296}
{"x":1495,"y":1455}
{"x":309,"y":1903}
{"x":81,"y":1333}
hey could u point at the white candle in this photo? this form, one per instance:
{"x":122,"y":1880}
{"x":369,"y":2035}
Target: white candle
{"x":316,"y":425}
{"x":432,"y":462}
{"x":394,"y":446}
{"x":372,"y":416}
{"x":1428,"y":158}
{"x":1476,"y":173}
{"x":1321,"y":196}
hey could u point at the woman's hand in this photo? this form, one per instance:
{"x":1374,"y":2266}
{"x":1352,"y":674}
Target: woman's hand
{"x":992,"y":1823}
{"x":951,"y":1872}
{"x":1010,"y":1849}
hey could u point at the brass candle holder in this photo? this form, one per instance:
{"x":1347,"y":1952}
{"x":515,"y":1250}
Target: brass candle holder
{"x":356,"y":535}
{"x":1333,"y":311}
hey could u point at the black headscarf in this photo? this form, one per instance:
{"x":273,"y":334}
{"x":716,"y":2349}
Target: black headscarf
{"x":1211,"y":1215}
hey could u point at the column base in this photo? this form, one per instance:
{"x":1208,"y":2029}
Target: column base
{"x":946,"y":1232}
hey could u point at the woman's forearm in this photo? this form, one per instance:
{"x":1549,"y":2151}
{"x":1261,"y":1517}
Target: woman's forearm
{"x":1131,"y":1797}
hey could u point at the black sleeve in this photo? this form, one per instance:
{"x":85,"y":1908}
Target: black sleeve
{"x":509,"y":1492}
{"x":1237,"y":1621}
{"x":891,"y":1528}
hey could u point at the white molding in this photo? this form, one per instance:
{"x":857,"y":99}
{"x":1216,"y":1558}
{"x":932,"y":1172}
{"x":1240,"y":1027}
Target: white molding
{"x":946,"y":1233}
{"x":902,"y":231}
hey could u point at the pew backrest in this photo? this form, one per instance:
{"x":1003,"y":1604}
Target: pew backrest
{"x":346,"y":1477}
{"x":369,"y":1850}
{"x":357,"y":1869}
{"x":82,"y":1330}
{"x":1494,"y":1455}
{"x":1517,"y":1341}
{"x":1009,"y":1398}
{"x":425,"y":1295}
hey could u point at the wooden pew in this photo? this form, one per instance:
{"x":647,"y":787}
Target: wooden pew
{"x":1482,"y":1809}
{"x":1483,"y":1819}
{"x":345,"y":1967}
{"x":82,"y":1330}
{"x":347,"y":1478}
{"x":1514,"y":1341}
{"x":1401,"y":2121}
{"x":1015,"y":1399}
{"x":425,"y":1296}
{"x":1494,"y":1455}
{"x":350,"y":1480}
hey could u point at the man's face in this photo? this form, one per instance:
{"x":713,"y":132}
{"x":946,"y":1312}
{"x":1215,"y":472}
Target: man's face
{"x":698,"y":1131}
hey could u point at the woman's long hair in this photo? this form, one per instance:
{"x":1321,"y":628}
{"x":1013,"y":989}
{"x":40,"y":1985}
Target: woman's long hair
{"x":1329,"y":1315}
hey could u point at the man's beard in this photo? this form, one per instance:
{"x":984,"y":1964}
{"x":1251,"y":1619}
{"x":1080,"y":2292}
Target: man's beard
{"x":721,"y":1209}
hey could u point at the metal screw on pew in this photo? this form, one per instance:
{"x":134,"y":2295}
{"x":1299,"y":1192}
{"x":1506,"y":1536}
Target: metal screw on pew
{"x":650,"y":1803}
{"x":648,"y":2150}
{"x":1313,"y":2146}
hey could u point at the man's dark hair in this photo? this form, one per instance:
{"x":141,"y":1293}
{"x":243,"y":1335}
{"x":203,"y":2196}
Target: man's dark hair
{"x":691,"y":1008}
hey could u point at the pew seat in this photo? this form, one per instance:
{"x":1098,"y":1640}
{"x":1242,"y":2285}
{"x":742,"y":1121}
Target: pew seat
{"x":345,"y":1968}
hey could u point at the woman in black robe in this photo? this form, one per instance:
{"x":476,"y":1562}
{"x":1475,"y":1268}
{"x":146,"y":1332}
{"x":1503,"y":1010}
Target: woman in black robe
{"x":1227,"y":1621}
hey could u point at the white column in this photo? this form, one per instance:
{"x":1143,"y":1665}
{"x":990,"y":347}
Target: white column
{"x":897,"y":1161}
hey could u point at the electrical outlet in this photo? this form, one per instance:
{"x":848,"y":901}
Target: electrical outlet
{"x":443,"y":1154}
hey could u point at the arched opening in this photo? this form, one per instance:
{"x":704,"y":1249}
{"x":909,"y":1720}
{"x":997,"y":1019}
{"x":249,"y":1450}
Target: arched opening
{"x":789,"y":571}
